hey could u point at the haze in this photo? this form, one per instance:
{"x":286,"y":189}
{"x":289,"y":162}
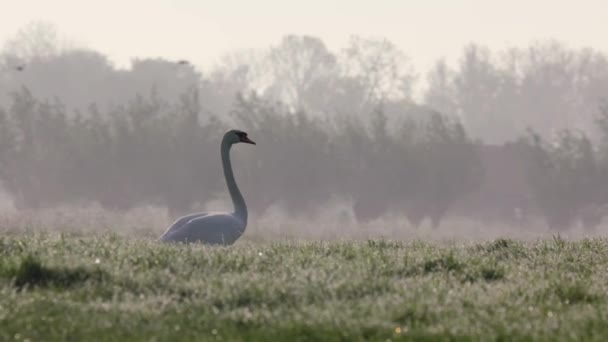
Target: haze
{"x":203,"y":30}
{"x":373,"y":118}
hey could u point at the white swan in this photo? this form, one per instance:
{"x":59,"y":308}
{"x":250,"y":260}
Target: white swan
{"x":215,"y":228}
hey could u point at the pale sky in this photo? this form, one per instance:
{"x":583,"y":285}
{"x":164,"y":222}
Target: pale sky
{"x":203,"y":30}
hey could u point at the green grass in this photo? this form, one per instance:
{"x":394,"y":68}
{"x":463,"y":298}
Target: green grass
{"x":64,"y":287}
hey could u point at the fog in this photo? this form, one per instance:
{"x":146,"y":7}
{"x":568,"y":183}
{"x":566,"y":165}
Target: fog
{"x":353,"y":141}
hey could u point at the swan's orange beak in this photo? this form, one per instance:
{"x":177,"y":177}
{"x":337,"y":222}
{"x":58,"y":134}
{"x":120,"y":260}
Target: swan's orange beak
{"x":247,"y":140}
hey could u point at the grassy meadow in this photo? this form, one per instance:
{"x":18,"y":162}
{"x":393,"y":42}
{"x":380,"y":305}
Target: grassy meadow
{"x":107,"y":287}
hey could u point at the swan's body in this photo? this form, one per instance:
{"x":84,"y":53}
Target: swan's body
{"x":215,"y":228}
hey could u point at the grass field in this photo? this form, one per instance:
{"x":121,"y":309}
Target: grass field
{"x":107,"y":287}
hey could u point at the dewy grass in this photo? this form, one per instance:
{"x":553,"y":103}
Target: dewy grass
{"x":32,"y":273}
{"x":107,"y":288}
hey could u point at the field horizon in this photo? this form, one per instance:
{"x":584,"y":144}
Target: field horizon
{"x":332,"y":222}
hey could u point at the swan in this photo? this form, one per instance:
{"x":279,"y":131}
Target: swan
{"x":217,"y":228}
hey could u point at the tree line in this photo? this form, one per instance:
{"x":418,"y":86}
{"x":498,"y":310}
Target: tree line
{"x":331,"y":125}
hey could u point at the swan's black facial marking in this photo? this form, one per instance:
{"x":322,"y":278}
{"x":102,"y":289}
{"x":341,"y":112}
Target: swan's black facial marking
{"x":243,"y":137}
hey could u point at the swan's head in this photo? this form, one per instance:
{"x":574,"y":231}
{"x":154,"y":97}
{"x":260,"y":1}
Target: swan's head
{"x":235,"y":136}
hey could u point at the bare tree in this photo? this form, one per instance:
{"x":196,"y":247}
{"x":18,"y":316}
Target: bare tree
{"x":297,"y":63}
{"x":383,"y":69}
{"x":37,"y":40}
{"x":440,"y":93}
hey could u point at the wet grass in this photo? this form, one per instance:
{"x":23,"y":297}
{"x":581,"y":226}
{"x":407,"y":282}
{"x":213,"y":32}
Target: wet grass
{"x":64,"y":287}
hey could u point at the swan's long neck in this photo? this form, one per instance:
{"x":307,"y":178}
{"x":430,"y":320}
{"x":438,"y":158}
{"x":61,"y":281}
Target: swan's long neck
{"x":240,"y":209}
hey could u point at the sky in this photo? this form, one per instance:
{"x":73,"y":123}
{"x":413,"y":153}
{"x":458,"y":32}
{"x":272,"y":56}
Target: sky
{"x":202,"y":31}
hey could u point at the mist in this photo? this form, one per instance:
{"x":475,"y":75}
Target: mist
{"x":351,"y":142}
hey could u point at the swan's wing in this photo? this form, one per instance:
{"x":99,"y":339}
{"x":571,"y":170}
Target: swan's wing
{"x":214,"y":228}
{"x":180,"y":222}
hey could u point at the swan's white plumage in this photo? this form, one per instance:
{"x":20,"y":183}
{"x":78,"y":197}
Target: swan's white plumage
{"x":215,"y":227}
{"x":180,"y":222}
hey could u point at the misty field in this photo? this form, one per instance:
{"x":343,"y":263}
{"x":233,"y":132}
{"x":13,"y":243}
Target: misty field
{"x":57,"y":286}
